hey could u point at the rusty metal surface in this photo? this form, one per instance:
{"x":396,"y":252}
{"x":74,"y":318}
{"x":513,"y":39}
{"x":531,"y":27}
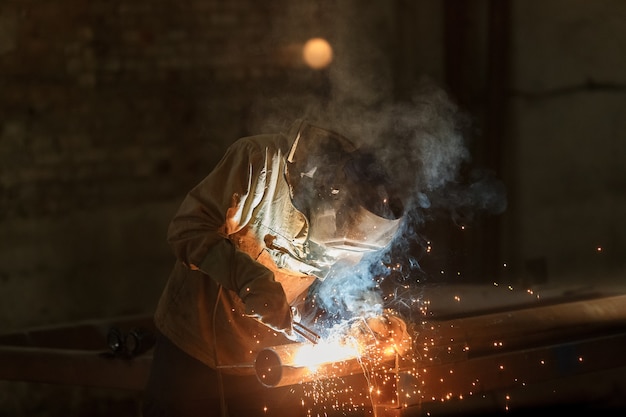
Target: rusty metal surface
{"x":508,"y":378}
{"x":495,"y":362}
{"x":562,"y":353}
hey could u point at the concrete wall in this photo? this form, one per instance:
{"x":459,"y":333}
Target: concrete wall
{"x":110,"y":112}
{"x":568,"y":138}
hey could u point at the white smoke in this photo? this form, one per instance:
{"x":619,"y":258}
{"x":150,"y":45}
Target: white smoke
{"x":422,"y":141}
{"x":424,"y":145}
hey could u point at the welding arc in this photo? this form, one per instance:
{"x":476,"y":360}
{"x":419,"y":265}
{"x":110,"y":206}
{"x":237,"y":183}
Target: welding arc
{"x":276,"y":366}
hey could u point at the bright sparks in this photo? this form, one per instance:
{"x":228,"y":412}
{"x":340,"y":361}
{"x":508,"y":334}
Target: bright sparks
{"x":312,"y":356}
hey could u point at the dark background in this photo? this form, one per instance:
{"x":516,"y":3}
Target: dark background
{"x":110,"y":111}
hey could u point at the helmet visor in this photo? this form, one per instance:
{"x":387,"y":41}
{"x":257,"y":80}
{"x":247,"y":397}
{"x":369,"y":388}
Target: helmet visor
{"x":351,"y":229}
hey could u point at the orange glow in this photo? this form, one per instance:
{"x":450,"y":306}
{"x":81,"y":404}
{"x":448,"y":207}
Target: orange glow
{"x":311,"y":356}
{"x":317,"y":53}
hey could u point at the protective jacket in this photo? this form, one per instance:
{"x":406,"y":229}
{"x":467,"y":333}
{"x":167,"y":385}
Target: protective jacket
{"x":236,"y":232}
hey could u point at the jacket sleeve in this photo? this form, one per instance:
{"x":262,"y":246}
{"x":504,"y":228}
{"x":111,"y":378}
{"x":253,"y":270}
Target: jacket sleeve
{"x":218,"y":206}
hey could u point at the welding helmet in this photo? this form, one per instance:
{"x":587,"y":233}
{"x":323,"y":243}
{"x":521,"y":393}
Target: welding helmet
{"x":345,"y":192}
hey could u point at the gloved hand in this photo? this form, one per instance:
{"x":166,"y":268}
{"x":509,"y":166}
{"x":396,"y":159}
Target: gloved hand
{"x":392,"y":330}
{"x":386,"y":331}
{"x":266,"y":302}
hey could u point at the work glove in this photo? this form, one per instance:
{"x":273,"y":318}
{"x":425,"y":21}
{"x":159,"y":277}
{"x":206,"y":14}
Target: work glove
{"x":391,"y":330}
{"x":265,"y":301}
{"x":386,"y":330}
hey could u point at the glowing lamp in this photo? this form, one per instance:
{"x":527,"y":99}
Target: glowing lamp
{"x":317,"y":53}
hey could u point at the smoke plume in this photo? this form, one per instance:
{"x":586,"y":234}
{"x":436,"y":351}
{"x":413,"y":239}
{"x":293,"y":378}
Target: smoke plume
{"x":422,"y":141}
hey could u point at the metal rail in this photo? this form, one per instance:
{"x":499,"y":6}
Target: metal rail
{"x":566,"y":351}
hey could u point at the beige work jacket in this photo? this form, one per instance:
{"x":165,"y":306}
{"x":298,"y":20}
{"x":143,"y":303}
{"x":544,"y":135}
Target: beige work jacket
{"x":236,"y":225}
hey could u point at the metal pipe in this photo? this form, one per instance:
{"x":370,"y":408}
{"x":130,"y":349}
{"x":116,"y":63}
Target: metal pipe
{"x":306,"y":332}
{"x":281,"y":365}
{"x":73,"y":367}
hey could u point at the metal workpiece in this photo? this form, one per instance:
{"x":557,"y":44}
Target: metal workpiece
{"x":276,"y":366}
{"x":561,"y":353}
{"x":103,"y":353}
{"x":491,"y":361}
{"x":281,"y":365}
{"x":519,"y":358}
{"x":86,"y":368}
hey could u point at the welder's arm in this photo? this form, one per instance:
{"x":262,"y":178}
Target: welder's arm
{"x":263,"y":297}
{"x":220,"y":205}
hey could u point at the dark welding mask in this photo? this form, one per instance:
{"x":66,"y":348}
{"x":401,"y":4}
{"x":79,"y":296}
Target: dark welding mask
{"x":345,"y":192}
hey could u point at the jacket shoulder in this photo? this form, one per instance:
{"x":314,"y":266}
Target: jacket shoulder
{"x":261,"y":143}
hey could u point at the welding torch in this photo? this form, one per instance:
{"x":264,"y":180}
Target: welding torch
{"x":302,"y":330}
{"x":306,"y":332}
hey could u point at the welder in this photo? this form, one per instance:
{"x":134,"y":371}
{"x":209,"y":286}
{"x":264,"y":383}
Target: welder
{"x":276,"y":213}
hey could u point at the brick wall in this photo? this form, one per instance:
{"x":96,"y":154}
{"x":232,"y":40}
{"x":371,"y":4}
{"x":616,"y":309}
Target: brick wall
{"x":110,"y":111}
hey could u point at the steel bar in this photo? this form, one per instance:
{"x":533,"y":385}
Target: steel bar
{"x":73,"y":367}
{"x":505,"y":354}
{"x":277,"y":366}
